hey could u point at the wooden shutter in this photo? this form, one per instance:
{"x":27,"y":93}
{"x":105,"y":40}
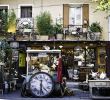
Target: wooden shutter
{"x":65,"y":15}
{"x":85,"y":13}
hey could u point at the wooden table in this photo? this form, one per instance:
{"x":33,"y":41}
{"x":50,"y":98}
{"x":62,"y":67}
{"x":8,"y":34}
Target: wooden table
{"x":98,"y":84}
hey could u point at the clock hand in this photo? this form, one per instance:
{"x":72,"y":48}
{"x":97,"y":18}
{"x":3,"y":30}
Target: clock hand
{"x":44,"y":88}
{"x":41,"y":92}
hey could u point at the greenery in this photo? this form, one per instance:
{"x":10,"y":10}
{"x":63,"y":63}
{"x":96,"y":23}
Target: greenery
{"x":3,"y":20}
{"x":8,"y":21}
{"x":12,"y":21}
{"x":44,"y":23}
{"x":58,"y":28}
{"x":95,"y":27}
{"x":5,"y":51}
{"x":103,"y":5}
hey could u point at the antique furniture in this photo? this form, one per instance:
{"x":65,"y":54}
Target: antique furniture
{"x":99,"y":89}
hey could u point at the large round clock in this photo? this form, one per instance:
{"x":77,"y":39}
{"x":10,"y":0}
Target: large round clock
{"x":41,"y":84}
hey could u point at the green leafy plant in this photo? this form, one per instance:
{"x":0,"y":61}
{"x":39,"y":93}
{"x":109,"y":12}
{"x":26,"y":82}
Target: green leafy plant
{"x":95,"y":27}
{"x":3,"y":20}
{"x":11,"y":21}
{"x":103,"y":5}
{"x":58,"y":28}
{"x":44,"y":23}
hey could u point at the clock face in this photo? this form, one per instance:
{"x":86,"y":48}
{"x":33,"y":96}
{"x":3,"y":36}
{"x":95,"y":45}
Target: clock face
{"x":41,"y":84}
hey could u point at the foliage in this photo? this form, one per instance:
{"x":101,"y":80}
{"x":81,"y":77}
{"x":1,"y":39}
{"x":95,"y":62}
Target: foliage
{"x":11,"y":21}
{"x":5,"y":51}
{"x":58,"y":28}
{"x":95,"y":27}
{"x":6,"y":56}
{"x":12,"y":17}
{"x":4,"y":20}
{"x":8,"y":21}
{"x":44,"y":23}
{"x":103,"y":5}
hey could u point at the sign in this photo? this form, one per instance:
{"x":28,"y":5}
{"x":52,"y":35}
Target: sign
{"x":22,"y":60}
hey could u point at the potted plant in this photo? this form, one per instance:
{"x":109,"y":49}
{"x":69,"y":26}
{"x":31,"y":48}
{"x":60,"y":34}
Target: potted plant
{"x":96,"y":29}
{"x":44,"y":25}
{"x":58,"y":30}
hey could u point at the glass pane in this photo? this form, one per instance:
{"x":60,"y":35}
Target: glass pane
{"x":84,"y":57}
{"x":79,"y":57}
{"x":90,"y":58}
{"x":75,"y":16}
{"x":26,"y":12}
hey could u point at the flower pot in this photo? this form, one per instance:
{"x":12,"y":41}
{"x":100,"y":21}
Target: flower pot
{"x":70,"y":37}
{"x":43,"y":37}
{"x":51,"y":37}
{"x":59,"y":36}
{"x":98,"y":35}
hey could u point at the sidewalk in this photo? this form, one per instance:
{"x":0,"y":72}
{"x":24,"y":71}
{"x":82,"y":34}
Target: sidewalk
{"x":78,"y":94}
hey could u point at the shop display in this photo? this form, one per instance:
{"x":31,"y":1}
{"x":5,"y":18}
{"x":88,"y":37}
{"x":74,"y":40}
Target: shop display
{"x":101,"y":56}
{"x":44,"y":73}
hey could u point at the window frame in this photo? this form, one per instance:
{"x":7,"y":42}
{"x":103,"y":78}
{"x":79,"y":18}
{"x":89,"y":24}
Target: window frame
{"x":26,"y":8}
{"x":24,"y":5}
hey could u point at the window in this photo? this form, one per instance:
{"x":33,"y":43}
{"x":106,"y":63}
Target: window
{"x":4,"y":8}
{"x":26,"y":11}
{"x":75,"y":16}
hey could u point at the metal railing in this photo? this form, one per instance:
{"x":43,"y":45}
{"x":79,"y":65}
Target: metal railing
{"x":79,"y":33}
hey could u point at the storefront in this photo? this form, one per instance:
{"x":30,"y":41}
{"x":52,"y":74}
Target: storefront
{"x":78,"y":58}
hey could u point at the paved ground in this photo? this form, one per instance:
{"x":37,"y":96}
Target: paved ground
{"x":78,"y":95}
